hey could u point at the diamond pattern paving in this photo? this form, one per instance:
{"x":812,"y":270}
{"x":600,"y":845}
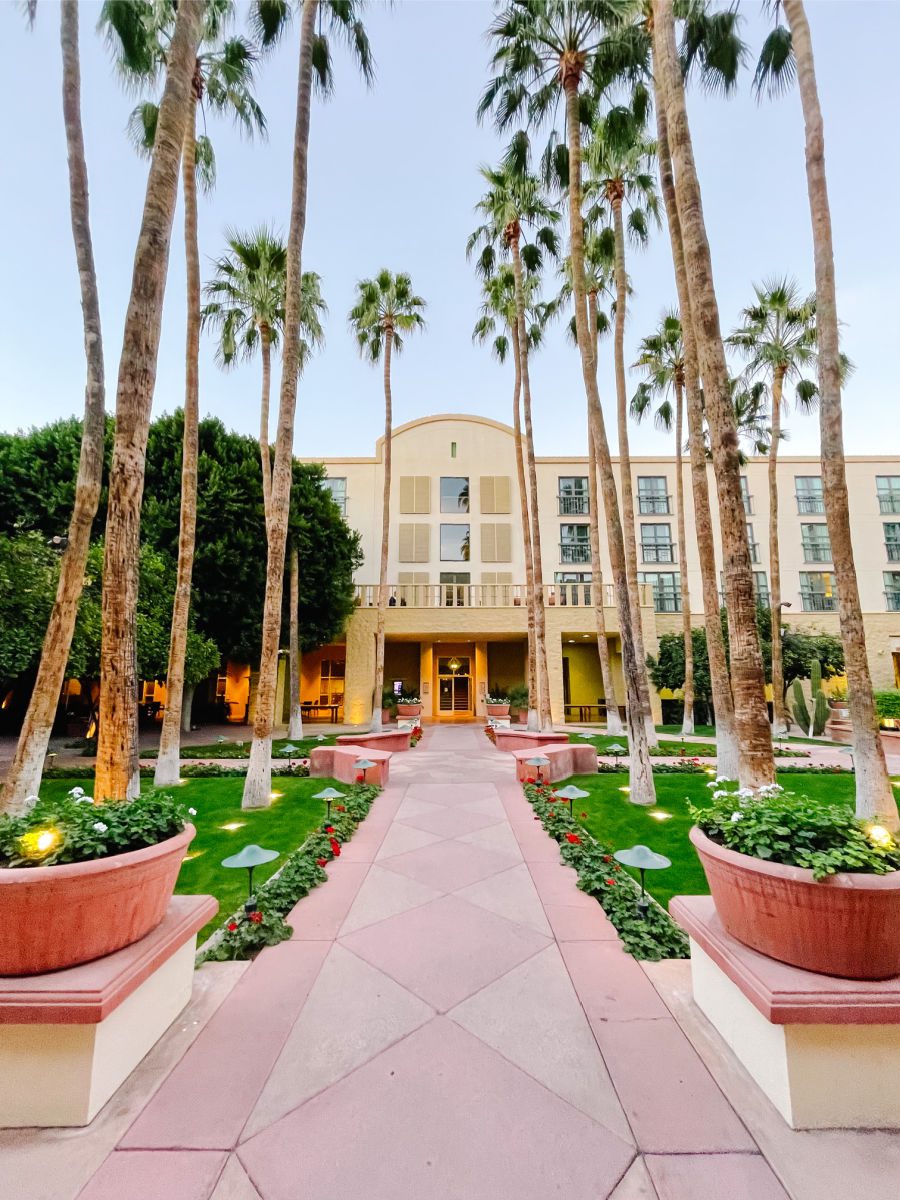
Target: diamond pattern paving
{"x":448,"y":865}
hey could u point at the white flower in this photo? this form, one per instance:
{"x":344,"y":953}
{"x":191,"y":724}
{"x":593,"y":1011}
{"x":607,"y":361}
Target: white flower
{"x":722,"y":779}
{"x":99,"y":827}
{"x":735,"y":817}
{"x":712,"y":783}
{"x":76,"y":792}
{"x":720,"y":794}
{"x":744,"y":793}
{"x":192,"y":812}
{"x":85,"y":800}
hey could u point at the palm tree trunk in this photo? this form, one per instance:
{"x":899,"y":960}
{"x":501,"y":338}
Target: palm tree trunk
{"x":640,"y":767}
{"x":540,"y":630}
{"x":613,"y":719}
{"x":625,"y":471}
{"x":168,"y":762}
{"x":24,"y":777}
{"x":874,"y":797}
{"x":687,"y":724}
{"x":265,"y":458}
{"x":757,"y":765}
{"x":258,"y":784}
{"x":117,"y":740}
{"x":385,"y":531}
{"x":779,"y":709}
{"x":295,"y":722}
{"x":723,"y":702}
{"x":533,"y":715}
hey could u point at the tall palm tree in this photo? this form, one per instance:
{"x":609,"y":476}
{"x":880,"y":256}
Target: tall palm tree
{"x":618,"y":163}
{"x":318,"y":19}
{"x":519,"y":223}
{"x":24,"y":776}
{"x":777,"y":336}
{"x":222,"y":83}
{"x":874,"y":796}
{"x":386,"y":308}
{"x":662,"y":359}
{"x":117,"y":774}
{"x":546,"y":50}
{"x":756,"y":765}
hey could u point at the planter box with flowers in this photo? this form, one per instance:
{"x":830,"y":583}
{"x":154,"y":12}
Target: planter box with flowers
{"x":409,"y":706}
{"x":497,"y":703}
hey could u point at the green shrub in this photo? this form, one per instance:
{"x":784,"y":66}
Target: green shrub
{"x":517,"y":696}
{"x":887,"y":705}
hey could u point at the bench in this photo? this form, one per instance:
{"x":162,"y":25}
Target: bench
{"x":390,"y":739}
{"x":565,"y":760}
{"x":524,"y":739}
{"x":337,"y":762}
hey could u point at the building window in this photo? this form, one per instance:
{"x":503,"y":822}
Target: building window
{"x":656,"y":544}
{"x":338,"y":489}
{"x":817,"y":591}
{"x":888,"y":488}
{"x":753,"y":543}
{"x":666,"y":589}
{"x":761,"y":588}
{"x":746,"y":497}
{"x":574,"y":500}
{"x":892,"y":540}
{"x":809,"y":494}
{"x":454,"y":494}
{"x":331,"y":681}
{"x":892,"y":590}
{"x":575,"y":543}
{"x":453,"y":449}
{"x":653,"y":499}
{"x":455,"y":543}
{"x":816,"y":543}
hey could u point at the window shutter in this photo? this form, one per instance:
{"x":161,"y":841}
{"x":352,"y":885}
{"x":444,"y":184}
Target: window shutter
{"x":422,"y":543}
{"x":488,"y":543}
{"x":504,"y":543}
{"x":407,"y":543}
{"x":501,"y":494}
{"x":407,"y":493}
{"x":423,"y":494}
{"x":487,"y":494}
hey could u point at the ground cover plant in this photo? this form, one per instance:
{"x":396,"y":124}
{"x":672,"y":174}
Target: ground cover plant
{"x":239,"y":747}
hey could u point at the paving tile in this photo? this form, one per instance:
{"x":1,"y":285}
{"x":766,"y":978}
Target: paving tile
{"x":156,"y":1175}
{"x":551,"y":1040}
{"x":635,"y":1184}
{"x":669,"y":1097}
{"x":510,"y":894}
{"x":412,"y":807}
{"x":611,"y":984}
{"x":206,"y":1100}
{"x":449,"y":822}
{"x":576,"y":924}
{"x":490,"y":806}
{"x":714,"y":1176}
{"x":536,"y":846}
{"x":384,"y":894}
{"x":448,"y":865}
{"x":439,"y":1116}
{"x":319,"y":916}
{"x":463,"y":792}
{"x":234,"y":1183}
{"x":353,"y":1013}
{"x":402,"y":838}
{"x":445,"y":950}
{"x":499,"y":838}
{"x":558,"y":884}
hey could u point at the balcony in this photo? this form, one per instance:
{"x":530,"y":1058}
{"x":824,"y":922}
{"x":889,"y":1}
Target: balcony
{"x":818,"y":602}
{"x":654,"y":506}
{"x":892,"y":599}
{"x":489,"y":595}
{"x":889,"y":502}
{"x":574,"y":506}
{"x":810,"y":504}
{"x":574,"y":552}
{"x":657,"y":552}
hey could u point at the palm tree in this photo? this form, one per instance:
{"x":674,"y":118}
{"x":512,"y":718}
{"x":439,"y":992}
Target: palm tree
{"x":778,"y":338}
{"x":662,"y":358}
{"x":514,"y":207}
{"x":874,"y":796}
{"x":386,"y":308}
{"x":117,"y":775}
{"x":756,"y":765}
{"x":24,"y":776}
{"x":546,"y":49}
{"x":270,"y":22}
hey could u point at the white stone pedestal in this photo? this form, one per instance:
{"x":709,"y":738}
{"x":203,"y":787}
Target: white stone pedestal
{"x":825,"y":1051}
{"x":69,"y":1039}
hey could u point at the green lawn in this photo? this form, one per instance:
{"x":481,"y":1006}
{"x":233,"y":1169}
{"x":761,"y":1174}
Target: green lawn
{"x":667,"y":749}
{"x":283,"y":826}
{"x":240,"y":747}
{"x":699,"y":730}
{"x":615,"y":821}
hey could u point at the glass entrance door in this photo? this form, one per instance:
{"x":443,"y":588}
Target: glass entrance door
{"x":454,"y":694}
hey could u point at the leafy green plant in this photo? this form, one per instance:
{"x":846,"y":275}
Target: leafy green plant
{"x":497,"y":695}
{"x":517,"y":696}
{"x":887,"y":705}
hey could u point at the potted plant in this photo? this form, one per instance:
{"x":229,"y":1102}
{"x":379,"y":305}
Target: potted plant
{"x":80,"y":880}
{"x":838,"y":702}
{"x":518,"y":702}
{"x":887,"y":706}
{"x":388,"y":706}
{"x":802,"y":882}
{"x":408,"y":705}
{"x":497,"y":702}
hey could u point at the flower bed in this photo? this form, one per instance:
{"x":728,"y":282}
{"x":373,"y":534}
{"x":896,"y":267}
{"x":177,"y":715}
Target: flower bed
{"x":653,"y":937}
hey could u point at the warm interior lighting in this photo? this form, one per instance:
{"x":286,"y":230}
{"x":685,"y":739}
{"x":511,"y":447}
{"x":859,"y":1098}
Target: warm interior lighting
{"x":233,"y":825}
{"x":38,"y":843}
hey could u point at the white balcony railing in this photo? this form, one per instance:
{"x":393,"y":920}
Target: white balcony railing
{"x":485,"y":595}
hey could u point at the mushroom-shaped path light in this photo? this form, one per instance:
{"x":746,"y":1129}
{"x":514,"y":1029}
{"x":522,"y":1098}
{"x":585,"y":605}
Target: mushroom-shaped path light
{"x":644,"y":859}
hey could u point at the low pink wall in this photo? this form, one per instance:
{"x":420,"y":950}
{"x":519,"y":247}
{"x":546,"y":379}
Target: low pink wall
{"x":336,"y":762}
{"x":393,"y":739}
{"x":566,"y":760}
{"x":517,"y":739}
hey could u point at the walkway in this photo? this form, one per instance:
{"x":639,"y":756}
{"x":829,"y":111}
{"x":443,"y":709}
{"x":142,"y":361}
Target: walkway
{"x":452,"y":1020}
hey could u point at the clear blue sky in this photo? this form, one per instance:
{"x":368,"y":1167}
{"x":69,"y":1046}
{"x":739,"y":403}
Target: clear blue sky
{"x":393,"y":181}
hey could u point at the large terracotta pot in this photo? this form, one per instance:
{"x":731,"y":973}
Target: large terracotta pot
{"x":54,"y":917}
{"x":498,"y":710}
{"x":409,"y":710}
{"x":845,"y":925}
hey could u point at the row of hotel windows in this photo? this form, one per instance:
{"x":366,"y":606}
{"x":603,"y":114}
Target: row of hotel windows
{"x":817,"y":590}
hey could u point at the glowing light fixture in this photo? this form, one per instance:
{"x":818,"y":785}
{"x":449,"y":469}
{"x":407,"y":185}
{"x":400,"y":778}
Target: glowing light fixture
{"x":659,"y":815}
{"x":625,"y":789}
{"x":329,"y":795}
{"x":39,"y":843}
{"x":880,"y":836}
{"x":570,"y":794}
{"x":644,"y":859}
{"x":231,"y":826}
{"x":249,"y":859}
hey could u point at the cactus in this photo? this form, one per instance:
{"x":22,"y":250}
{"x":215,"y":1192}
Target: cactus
{"x":801,"y":712}
{"x":820,"y":714}
{"x":815,"y":677}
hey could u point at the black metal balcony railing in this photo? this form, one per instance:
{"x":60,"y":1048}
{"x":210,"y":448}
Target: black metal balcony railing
{"x":892,"y":599}
{"x":654,"y":506}
{"x":574,"y":552}
{"x":574,"y":506}
{"x":889,"y":502}
{"x":893,"y":551}
{"x":657,"y":552}
{"x":810,"y":504}
{"x":818,"y":602}
{"x":817,"y":553}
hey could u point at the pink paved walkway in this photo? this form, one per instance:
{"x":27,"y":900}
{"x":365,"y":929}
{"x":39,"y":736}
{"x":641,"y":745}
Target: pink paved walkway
{"x":453,"y":1020}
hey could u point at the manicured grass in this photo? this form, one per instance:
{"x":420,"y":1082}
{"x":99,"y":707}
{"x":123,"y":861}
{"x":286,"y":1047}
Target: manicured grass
{"x":283,"y":826}
{"x":602,"y":743}
{"x":240,"y":747}
{"x":615,"y":821}
{"x":699,"y":730}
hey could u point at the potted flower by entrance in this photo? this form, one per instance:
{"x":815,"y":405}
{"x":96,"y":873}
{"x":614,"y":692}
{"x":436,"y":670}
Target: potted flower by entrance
{"x":802,"y":882}
{"x":388,"y":706}
{"x":497,"y":703}
{"x":408,"y":705}
{"x":79,"y":881}
{"x":518,"y":703}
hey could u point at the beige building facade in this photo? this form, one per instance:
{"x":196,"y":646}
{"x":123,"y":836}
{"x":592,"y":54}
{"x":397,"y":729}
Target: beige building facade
{"x":456,"y":620}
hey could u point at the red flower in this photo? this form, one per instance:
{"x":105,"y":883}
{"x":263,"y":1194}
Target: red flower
{"x":617,"y":868}
{"x":232,"y":926}
{"x":607,"y":858}
{"x":320,"y":862}
{"x":256,"y":917}
{"x":583,"y":815}
{"x":610,"y":882}
{"x":341,"y":808}
{"x":573,"y":839}
{"x":335,"y":847}
{"x":329,"y":829}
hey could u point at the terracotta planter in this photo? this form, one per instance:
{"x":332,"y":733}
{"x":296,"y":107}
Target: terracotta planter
{"x":387,"y":716}
{"x":845,"y":925}
{"x":54,"y":917}
{"x":409,"y":710}
{"x":498,"y":710}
